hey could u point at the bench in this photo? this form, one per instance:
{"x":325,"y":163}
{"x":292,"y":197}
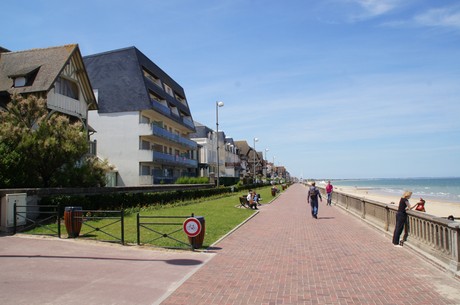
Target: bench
{"x":244,"y":202}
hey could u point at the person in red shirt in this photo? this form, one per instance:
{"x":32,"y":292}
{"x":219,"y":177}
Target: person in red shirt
{"x":329,"y":189}
{"x":420,"y":206}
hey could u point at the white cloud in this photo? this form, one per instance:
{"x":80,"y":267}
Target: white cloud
{"x":442,"y":17}
{"x":375,"y":8}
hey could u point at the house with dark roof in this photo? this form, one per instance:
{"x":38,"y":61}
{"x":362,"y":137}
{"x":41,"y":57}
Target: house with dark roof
{"x":143,"y":121}
{"x":229,"y":162}
{"x":251,"y":160}
{"x":56,"y":74}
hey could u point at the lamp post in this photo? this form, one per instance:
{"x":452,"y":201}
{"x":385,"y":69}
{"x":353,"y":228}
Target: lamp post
{"x":255,"y":153}
{"x":266,"y":162}
{"x":218,"y":104}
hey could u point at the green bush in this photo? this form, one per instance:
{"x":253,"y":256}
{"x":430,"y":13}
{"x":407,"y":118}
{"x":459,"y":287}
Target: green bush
{"x":192,"y":180}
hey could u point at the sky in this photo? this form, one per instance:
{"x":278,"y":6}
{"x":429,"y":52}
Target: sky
{"x":332,"y":88}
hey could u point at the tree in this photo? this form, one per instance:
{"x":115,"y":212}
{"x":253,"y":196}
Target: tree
{"x":42,"y":149}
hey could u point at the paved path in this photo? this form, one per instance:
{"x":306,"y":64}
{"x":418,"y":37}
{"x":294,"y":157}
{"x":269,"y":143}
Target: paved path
{"x":36,"y":270}
{"x":281,"y":256}
{"x":284,"y":256}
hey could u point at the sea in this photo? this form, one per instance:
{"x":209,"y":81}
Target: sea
{"x":439,"y":189}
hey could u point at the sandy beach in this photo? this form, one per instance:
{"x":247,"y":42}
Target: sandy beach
{"x":436,"y":208}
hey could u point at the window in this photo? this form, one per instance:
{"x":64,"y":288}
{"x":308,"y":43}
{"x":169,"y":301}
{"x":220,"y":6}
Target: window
{"x":145,"y":145}
{"x":152,"y":77}
{"x":180,"y":99}
{"x":168,"y":90}
{"x":145,"y":170}
{"x":20,"y":81}
{"x":144,"y":120}
{"x":66,"y":87}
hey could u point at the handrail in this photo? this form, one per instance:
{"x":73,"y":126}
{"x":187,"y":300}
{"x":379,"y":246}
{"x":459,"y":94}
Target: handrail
{"x":428,"y":234}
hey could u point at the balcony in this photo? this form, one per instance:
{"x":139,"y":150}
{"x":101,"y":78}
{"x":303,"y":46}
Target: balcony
{"x":188,"y":121}
{"x":161,"y":108}
{"x":145,"y":180}
{"x":174,"y":160}
{"x":163,"y":133}
{"x":67,"y":105}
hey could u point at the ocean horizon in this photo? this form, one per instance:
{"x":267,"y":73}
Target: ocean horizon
{"x":440,"y":189}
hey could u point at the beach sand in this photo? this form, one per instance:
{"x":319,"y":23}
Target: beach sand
{"x":436,"y":208}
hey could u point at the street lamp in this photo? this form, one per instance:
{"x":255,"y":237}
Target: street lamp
{"x":255,"y":152}
{"x":266,"y":162}
{"x":218,"y":104}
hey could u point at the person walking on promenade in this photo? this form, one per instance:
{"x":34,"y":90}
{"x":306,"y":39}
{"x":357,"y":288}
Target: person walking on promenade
{"x":329,"y":189}
{"x":401,"y":218}
{"x":312,"y":198}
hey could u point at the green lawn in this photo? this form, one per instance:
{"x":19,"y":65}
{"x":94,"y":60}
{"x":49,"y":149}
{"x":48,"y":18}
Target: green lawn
{"x":221,"y":215}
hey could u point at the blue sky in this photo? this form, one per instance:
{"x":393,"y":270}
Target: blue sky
{"x":333,"y":88}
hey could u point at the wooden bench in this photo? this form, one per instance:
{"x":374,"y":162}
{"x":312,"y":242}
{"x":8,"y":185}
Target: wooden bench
{"x":244,"y":202}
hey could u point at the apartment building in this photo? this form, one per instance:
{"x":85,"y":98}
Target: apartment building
{"x":143,"y":122}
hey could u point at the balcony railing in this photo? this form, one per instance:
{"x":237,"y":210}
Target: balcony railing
{"x":145,"y":180}
{"x":174,"y":160}
{"x":66,"y":105}
{"x":161,"y":108}
{"x":161,"y":132}
{"x":92,"y":148}
{"x":188,"y":121}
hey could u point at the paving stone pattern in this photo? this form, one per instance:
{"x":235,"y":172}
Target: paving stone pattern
{"x":284,"y":256}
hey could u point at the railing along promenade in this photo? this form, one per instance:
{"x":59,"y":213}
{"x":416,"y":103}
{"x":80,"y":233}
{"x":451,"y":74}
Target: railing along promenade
{"x":436,"y":238}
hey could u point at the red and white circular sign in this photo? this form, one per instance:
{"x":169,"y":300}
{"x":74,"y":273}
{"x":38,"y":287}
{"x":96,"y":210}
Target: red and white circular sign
{"x":192,"y":227}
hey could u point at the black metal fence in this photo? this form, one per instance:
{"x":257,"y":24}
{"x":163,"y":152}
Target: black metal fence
{"x":44,"y":216}
{"x":160,"y":231}
{"x":157,"y":229}
{"x":94,"y":224}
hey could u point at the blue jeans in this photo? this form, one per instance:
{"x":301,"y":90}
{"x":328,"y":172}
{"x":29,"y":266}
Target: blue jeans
{"x":314,"y":207}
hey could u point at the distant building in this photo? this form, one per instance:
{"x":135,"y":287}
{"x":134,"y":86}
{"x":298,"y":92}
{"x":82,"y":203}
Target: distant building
{"x":56,"y":74}
{"x":250,"y":160}
{"x":207,"y":150}
{"x":143,"y":122}
{"x":229,"y":161}
{"x":232,"y":159}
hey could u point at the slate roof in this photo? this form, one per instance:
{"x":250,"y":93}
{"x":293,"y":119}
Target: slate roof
{"x":121,"y":85}
{"x":201,"y":131}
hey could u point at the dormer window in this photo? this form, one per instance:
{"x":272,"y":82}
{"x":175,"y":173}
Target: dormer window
{"x":66,"y":87}
{"x":24,"y":77}
{"x":20,"y":81}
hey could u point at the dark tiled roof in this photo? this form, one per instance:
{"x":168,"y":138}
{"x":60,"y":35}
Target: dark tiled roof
{"x":201,"y":131}
{"x":243,"y":146}
{"x":48,"y":63}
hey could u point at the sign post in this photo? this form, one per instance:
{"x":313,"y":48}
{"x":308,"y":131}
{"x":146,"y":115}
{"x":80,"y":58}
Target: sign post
{"x":192,"y":227}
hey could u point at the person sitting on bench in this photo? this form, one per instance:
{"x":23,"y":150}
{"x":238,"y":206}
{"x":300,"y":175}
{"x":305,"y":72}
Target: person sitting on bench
{"x":250,"y":198}
{"x":257,"y":198}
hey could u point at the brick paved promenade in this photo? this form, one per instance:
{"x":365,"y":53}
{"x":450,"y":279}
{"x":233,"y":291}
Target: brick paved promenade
{"x":284,"y":256}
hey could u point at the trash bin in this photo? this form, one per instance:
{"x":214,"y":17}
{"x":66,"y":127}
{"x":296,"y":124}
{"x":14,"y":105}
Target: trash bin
{"x":73,"y":220}
{"x":274,"y":190}
{"x":197,"y":241}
